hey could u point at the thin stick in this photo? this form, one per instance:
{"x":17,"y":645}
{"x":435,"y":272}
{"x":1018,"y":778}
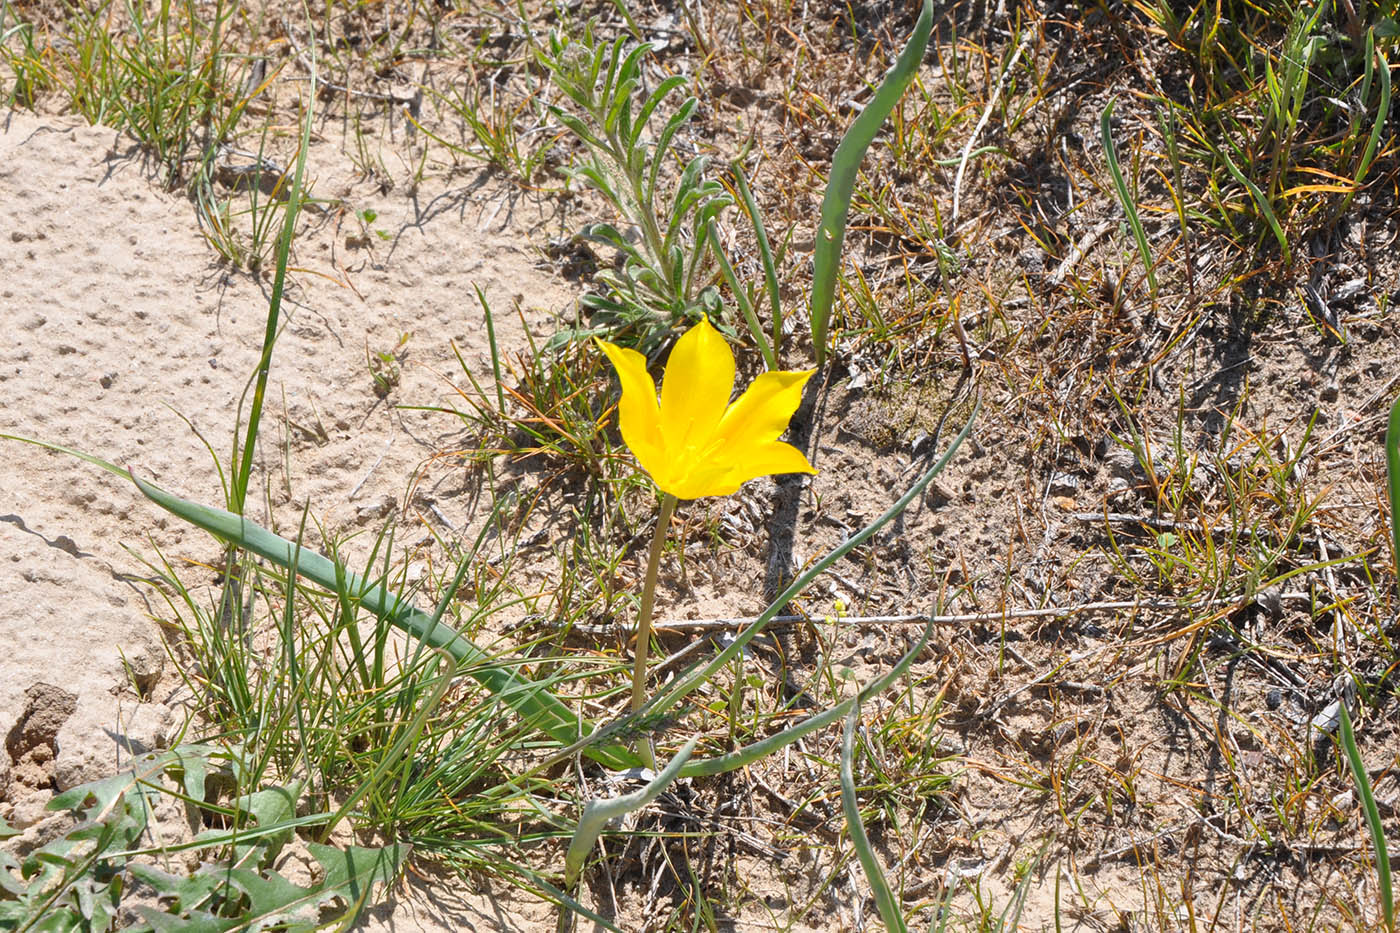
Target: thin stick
{"x":365,"y":479}
{"x":981,"y":124}
{"x":708,"y":625}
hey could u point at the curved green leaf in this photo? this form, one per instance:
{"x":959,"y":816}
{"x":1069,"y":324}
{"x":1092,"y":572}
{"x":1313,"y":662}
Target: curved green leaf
{"x":845,"y":164}
{"x":1392,"y":477}
{"x":643,"y":115}
{"x":533,"y":702}
{"x":1125,"y":197}
{"x":597,"y":814}
{"x":1372,"y":814}
{"x":885,"y":902}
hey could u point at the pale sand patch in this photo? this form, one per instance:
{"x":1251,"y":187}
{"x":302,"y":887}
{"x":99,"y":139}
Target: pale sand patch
{"x":122,"y":323}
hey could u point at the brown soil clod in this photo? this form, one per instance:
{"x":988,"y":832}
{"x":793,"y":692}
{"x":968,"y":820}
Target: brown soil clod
{"x":33,"y":741}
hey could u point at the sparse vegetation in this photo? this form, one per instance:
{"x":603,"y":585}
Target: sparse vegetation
{"x":1127,"y":661}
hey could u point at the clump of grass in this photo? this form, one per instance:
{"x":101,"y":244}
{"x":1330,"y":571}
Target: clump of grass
{"x":168,"y":75}
{"x":540,"y":407}
{"x":1283,"y":113}
{"x":21,"y":57}
{"x":160,"y":72}
{"x":497,"y":129}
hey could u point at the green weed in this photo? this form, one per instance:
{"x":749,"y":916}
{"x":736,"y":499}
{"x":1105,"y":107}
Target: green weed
{"x":663,"y":282}
{"x":78,"y":880}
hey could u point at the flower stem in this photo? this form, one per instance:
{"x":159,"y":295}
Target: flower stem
{"x":639,"y":667}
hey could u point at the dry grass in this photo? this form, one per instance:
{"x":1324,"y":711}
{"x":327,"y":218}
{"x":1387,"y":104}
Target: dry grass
{"x":1165,"y":553}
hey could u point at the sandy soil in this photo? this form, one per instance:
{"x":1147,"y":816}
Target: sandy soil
{"x":130,"y":340}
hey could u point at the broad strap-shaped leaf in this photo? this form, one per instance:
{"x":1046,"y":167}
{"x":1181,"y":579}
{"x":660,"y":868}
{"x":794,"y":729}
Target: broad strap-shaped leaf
{"x":845,"y":165}
{"x":533,"y":702}
{"x":1371,"y":812}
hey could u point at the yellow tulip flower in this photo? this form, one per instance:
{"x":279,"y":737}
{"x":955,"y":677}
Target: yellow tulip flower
{"x":694,"y":443}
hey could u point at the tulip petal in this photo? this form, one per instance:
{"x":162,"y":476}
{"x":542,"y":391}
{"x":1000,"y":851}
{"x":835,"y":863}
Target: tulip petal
{"x":693,"y":486}
{"x":762,"y":413}
{"x":667,"y":480}
{"x":722,"y":473}
{"x":694,"y":443}
{"x":695,"y":390}
{"x":752,"y":461}
{"x":704,"y":477}
{"x":637,"y":413}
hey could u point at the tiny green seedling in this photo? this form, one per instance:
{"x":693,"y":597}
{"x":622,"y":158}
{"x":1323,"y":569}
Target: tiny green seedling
{"x":367,"y":216}
{"x":384,"y":366}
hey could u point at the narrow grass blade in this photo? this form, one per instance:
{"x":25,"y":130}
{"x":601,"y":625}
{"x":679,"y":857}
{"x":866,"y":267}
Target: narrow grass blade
{"x":1010,"y":918}
{"x":1262,"y":203}
{"x":1392,"y":476}
{"x":885,"y":902}
{"x":765,"y":252}
{"x":1177,"y":192}
{"x":845,"y":164}
{"x":741,"y":298}
{"x":495,"y":351}
{"x":1378,"y":125}
{"x":1368,"y":803}
{"x":242,"y":462}
{"x":1125,"y":197}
